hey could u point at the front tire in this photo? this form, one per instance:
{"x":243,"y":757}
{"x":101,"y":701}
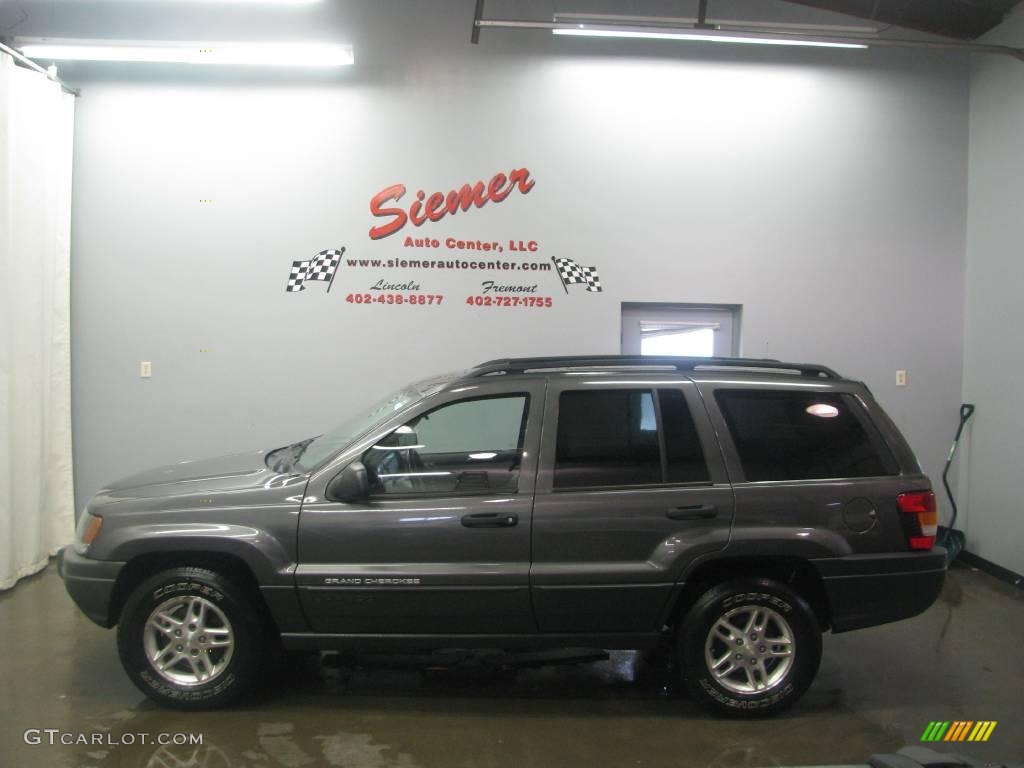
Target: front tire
{"x":189,"y":638}
{"x":749,"y":648}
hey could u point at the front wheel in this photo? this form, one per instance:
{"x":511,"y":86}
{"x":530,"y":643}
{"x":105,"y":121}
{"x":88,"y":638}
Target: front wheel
{"x":190,"y":639}
{"x":749,"y":647}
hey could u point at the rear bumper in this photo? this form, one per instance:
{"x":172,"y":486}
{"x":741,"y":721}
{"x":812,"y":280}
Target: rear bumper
{"x":867,"y":590}
{"x":90,"y":583}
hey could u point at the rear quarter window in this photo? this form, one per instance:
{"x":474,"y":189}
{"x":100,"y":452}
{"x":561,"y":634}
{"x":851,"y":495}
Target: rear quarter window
{"x":803,"y":435}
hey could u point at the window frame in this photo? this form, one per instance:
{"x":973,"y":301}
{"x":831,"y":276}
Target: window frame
{"x":376,"y":496}
{"x":550,"y":462}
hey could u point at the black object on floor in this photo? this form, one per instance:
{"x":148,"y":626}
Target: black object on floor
{"x":919,"y":757}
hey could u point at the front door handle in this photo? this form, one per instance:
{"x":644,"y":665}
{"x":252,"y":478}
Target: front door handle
{"x":490,"y":520}
{"x":693,"y":512}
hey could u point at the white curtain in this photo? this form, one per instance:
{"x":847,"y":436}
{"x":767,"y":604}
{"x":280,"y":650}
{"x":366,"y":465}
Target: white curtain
{"x":36,"y":490}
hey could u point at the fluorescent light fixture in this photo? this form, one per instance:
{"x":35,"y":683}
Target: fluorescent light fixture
{"x":236,"y":54}
{"x":612,"y":20}
{"x":583,"y":30}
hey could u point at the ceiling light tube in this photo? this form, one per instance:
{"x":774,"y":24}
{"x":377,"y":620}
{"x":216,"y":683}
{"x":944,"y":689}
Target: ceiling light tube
{"x":612,"y":20}
{"x":583,"y":30}
{"x":804,"y":38}
{"x":232,"y":54}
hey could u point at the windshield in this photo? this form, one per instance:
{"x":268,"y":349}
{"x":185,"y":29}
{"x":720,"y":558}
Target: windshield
{"x":314,"y":452}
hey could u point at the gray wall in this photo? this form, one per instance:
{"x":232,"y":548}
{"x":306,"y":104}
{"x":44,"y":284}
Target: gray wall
{"x":825,"y":191}
{"x":993,"y":366}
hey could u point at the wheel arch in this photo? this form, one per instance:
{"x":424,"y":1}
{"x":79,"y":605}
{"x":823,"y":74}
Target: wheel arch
{"x":795,"y":572}
{"x":147,"y":564}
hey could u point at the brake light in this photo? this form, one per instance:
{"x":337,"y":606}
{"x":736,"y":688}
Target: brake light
{"x":920,"y":518}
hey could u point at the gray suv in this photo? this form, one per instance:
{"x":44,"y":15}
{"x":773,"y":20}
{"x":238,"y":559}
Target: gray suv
{"x":736,"y":507}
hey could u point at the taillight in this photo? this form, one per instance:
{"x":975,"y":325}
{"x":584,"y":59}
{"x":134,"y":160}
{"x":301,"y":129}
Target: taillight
{"x":920,"y":518}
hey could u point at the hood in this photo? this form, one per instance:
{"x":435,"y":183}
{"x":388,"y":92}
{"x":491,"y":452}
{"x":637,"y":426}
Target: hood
{"x":238,"y":471}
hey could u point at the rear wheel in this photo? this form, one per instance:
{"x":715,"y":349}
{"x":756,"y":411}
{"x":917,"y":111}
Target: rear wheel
{"x":749,"y":647}
{"x":189,"y":638}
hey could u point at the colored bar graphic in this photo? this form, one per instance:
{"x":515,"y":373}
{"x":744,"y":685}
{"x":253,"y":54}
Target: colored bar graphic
{"x":935,"y":730}
{"x":982,"y":730}
{"x":959,"y":730}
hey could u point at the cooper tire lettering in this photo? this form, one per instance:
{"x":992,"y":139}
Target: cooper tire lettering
{"x":238,"y":674}
{"x":790,"y":683}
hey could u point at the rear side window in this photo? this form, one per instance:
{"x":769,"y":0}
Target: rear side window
{"x":624,"y":437}
{"x":803,"y":435}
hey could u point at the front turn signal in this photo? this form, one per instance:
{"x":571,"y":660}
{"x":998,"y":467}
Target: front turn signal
{"x":91,"y":529}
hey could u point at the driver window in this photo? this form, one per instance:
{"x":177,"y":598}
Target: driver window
{"x":470,"y":446}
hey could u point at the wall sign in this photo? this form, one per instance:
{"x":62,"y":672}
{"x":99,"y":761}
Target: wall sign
{"x":438,"y":205}
{"x":320,"y":267}
{"x":571,"y":273}
{"x":506,"y":274}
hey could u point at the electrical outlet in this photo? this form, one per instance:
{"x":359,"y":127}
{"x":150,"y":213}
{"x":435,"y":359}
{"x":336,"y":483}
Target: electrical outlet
{"x":901,"y":378}
{"x":145,"y":369}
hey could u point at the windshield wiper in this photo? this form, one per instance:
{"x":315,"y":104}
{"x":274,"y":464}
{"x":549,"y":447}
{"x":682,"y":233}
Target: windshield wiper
{"x":286,"y":456}
{"x":296,"y":450}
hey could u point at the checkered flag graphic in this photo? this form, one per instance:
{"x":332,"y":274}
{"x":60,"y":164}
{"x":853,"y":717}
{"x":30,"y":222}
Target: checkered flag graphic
{"x":320,"y":267}
{"x":571,"y":273}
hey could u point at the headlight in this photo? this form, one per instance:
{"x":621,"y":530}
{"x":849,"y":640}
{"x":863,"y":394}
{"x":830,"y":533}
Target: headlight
{"x":88,"y":529}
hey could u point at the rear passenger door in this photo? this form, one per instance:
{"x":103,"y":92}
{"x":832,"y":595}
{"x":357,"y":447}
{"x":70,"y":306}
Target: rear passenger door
{"x":631,"y":487}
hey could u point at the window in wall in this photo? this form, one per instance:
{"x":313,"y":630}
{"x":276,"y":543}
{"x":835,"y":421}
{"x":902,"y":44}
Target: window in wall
{"x":471,"y":446}
{"x":687,"y":330}
{"x":611,"y":438}
{"x":802,"y":435}
{"x":684,"y":341}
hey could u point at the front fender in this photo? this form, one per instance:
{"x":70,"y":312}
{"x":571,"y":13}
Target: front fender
{"x":262,"y":552}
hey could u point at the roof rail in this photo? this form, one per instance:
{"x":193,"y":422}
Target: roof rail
{"x":522,"y":364}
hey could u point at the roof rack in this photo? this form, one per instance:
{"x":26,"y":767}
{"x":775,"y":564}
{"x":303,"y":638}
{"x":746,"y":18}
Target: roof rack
{"x":523,"y":364}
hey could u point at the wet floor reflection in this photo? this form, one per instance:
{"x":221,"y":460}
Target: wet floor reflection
{"x":875,"y":692}
{"x":399,"y":711}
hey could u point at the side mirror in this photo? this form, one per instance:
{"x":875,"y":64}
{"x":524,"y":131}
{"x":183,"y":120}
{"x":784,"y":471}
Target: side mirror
{"x":350,"y":484}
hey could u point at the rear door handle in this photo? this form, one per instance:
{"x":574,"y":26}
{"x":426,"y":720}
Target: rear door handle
{"x":490,"y":520}
{"x":693,"y":512}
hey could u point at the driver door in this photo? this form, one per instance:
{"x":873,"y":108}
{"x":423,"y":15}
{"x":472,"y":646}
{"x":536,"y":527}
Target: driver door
{"x":441,"y":544}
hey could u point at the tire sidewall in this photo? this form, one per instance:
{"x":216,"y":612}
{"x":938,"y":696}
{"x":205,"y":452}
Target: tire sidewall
{"x":198,"y":582}
{"x":718,"y":601}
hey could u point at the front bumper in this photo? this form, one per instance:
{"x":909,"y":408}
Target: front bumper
{"x":90,"y":583}
{"x":867,"y":590}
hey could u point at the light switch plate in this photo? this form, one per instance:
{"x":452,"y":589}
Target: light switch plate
{"x":145,"y":369}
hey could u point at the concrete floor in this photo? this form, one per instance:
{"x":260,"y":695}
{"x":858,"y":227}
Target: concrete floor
{"x":876,"y":692}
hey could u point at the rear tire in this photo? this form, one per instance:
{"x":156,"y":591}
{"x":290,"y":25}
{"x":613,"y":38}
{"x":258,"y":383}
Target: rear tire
{"x":749,"y":648}
{"x":191,"y":639}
